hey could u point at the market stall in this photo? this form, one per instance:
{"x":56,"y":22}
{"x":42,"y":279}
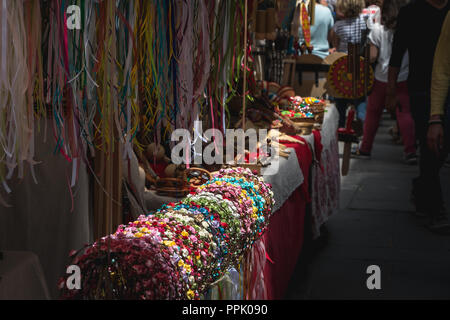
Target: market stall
{"x":89,"y":176}
{"x":276,"y":255}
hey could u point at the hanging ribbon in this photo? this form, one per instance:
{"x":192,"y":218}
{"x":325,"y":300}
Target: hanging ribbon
{"x":305,"y":25}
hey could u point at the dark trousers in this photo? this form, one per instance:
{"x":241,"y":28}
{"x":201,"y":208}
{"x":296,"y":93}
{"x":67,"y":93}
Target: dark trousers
{"x":427,"y":189}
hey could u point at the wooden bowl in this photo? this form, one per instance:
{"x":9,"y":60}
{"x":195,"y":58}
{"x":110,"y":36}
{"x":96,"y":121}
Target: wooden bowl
{"x":304,"y":128}
{"x":172,"y":187}
{"x":195,"y":177}
{"x":318,"y":117}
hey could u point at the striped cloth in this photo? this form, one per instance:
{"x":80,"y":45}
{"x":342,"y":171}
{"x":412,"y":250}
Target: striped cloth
{"x":349,"y":30}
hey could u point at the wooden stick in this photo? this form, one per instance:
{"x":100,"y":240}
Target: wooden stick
{"x":292,"y":74}
{"x":366,"y":69}
{"x":244,"y":80}
{"x":98,"y":194}
{"x":117,"y":183}
{"x":107,"y":192}
{"x":346,"y":158}
{"x":312,"y":12}
{"x":107,"y":227}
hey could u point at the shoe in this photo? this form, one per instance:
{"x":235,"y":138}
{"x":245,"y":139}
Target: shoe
{"x":360,"y":154}
{"x":440,"y":225}
{"x":411,"y":159}
{"x":393,"y":131}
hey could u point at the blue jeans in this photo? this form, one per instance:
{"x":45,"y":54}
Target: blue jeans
{"x":361,"y":110}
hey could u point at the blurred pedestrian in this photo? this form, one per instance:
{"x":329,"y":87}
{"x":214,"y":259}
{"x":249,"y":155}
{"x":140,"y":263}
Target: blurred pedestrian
{"x":439,"y":124}
{"x":419,"y":25}
{"x":380,"y":39}
{"x":352,"y":28}
{"x":372,"y":12}
{"x":320,"y":30}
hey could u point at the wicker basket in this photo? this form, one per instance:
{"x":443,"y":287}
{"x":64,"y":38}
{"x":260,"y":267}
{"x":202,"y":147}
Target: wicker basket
{"x":195,"y":177}
{"x":318,"y":110}
{"x":319,"y":116}
{"x":303,"y":120}
{"x":256,"y":168}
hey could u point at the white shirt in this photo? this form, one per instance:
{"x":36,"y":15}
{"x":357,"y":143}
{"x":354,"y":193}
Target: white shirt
{"x":372,"y":14}
{"x":382,"y":39}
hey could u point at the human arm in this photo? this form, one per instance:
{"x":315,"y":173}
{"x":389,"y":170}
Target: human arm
{"x":399,"y":47}
{"x":391,"y":91}
{"x":333,"y":39}
{"x":439,"y":89}
{"x":374,"y":43}
{"x":373,"y":53}
{"x":332,"y":48}
{"x":440,"y":80}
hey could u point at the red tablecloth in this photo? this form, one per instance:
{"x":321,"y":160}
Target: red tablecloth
{"x":284,"y":238}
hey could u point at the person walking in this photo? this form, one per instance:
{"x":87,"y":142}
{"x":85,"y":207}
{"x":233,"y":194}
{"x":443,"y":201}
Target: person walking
{"x":419,"y":25}
{"x":352,"y":28}
{"x":380,"y":39}
{"x":438,"y":137}
{"x":320,"y":30}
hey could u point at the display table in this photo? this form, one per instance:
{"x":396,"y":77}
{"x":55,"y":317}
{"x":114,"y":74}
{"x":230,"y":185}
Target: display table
{"x":274,"y":258}
{"x":52,"y":230}
{"x":21,"y":277}
{"x":284,"y":239}
{"x":326,"y":177}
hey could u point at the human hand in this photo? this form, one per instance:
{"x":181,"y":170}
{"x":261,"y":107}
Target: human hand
{"x":391,"y":100}
{"x":435,"y":138}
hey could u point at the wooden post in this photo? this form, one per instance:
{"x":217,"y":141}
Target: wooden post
{"x":244,"y":80}
{"x":312,"y":12}
{"x":108,"y":185}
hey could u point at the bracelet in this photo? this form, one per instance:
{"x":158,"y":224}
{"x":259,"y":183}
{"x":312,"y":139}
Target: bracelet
{"x":435,"y":122}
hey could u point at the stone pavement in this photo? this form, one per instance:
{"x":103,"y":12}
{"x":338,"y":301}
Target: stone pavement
{"x":375,"y":226}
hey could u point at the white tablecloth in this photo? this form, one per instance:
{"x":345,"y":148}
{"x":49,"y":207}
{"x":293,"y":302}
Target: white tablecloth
{"x":326,"y":181}
{"x":324,"y":196}
{"x":21,"y":277}
{"x":288,"y":178}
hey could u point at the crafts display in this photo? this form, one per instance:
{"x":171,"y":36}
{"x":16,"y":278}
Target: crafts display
{"x":312,"y":101}
{"x":177,"y":252}
{"x":297,"y":114}
{"x":307,"y":109}
{"x":299,"y":103}
{"x":293,"y":114}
